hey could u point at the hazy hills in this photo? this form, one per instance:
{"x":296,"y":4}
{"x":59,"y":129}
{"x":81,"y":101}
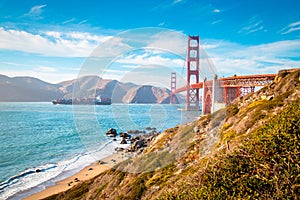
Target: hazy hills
{"x":25,"y":89}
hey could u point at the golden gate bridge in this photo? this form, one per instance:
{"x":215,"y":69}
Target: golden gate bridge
{"x":216,"y":92}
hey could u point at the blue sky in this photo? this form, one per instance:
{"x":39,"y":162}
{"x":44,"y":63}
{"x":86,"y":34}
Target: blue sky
{"x":53,"y":40}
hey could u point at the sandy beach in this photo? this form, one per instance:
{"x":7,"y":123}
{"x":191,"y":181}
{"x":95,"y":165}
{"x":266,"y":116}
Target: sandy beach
{"x":85,"y":174}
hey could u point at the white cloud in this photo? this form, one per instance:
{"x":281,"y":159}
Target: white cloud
{"x":114,"y":74}
{"x":16,"y":64}
{"x":161,"y":24}
{"x":35,"y":12}
{"x":77,"y":36}
{"x":166,"y":4}
{"x":72,"y":44}
{"x":178,"y":1}
{"x":69,"y":21}
{"x":295,"y":26}
{"x":253,"y":25}
{"x":232,"y":58}
{"x":169,"y":40}
{"x":45,"y":69}
{"x":162,"y":49}
{"x":216,"y":10}
{"x":286,"y":48}
{"x":229,"y":58}
{"x":113,"y":47}
{"x":147,"y":59}
{"x":82,"y":22}
{"x":217,"y":21}
{"x":54,"y":34}
{"x":150,"y":74}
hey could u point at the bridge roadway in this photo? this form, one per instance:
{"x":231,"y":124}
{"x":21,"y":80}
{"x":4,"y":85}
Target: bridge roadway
{"x":234,"y":82}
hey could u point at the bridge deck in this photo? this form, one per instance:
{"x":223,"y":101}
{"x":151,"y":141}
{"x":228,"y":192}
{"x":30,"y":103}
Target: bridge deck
{"x":234,"y":82}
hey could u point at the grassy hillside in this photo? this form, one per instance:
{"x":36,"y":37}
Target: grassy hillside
{"x":249,"y":150}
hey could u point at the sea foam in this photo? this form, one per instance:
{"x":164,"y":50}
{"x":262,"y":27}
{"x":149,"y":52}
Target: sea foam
{"x":38,"y":178}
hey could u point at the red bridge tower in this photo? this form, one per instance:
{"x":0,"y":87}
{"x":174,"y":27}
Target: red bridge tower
{"x":192,"y":96}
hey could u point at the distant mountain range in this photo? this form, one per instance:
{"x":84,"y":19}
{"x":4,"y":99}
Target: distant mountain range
{"x":29,"y":89}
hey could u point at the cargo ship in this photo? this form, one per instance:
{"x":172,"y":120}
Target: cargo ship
{"x":85,"y":101}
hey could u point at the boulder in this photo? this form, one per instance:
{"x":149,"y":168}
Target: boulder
{"x":137,"y":145}
{"x":112,"y":132}
{"x":119,"y":149}
{"x":135,"y":131}
{"x":128,"y":150}
{"x":136,"y":138}
{"x":100,"y":162}
{"x":139,"y":151}
{"x":125,"y":135}
{"x":123,"y":141}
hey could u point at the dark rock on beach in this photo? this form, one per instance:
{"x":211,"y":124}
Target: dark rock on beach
{"x":125,"y":135}
{"x":123,"y":141}
{"x":119,"y":149}
{"x":136,"y":138}
{"x":112,"y":132}
{"x":136,"y":132}
{"x":137,"y":145}
{"x":150,"y":129}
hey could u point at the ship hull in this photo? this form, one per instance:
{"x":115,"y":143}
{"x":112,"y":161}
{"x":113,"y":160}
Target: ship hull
{"x":80,"y":102}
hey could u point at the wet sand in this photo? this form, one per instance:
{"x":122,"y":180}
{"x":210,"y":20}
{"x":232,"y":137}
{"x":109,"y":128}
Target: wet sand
{"x":85,"y":174}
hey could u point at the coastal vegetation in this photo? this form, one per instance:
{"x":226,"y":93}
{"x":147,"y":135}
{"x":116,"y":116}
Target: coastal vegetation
{"x":248,"y":150}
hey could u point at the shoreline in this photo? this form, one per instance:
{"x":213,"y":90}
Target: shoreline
{"x":85,"y":174}
{"x":120,"y":153}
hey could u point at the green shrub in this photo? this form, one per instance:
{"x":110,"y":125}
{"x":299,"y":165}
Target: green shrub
{"x":266,"y":166}
{"x":231,"y":110}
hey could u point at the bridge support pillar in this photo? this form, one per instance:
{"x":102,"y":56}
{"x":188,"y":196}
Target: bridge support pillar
{"x":208,"y":97}
{"x":247,"y":90}
{"x":192,"y":96}
{"x":206,"y":106}
{"x":173,"y":88}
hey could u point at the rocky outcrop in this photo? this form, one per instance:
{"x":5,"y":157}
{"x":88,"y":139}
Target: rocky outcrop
{"x":139,"y":143}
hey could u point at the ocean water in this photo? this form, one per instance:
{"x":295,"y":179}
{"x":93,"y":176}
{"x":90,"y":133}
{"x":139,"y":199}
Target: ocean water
{"x":61,"y":139}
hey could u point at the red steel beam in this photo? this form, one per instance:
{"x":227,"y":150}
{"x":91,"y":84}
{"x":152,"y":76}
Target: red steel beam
{"x":235,"y":81}
{"x":248,"y":77}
